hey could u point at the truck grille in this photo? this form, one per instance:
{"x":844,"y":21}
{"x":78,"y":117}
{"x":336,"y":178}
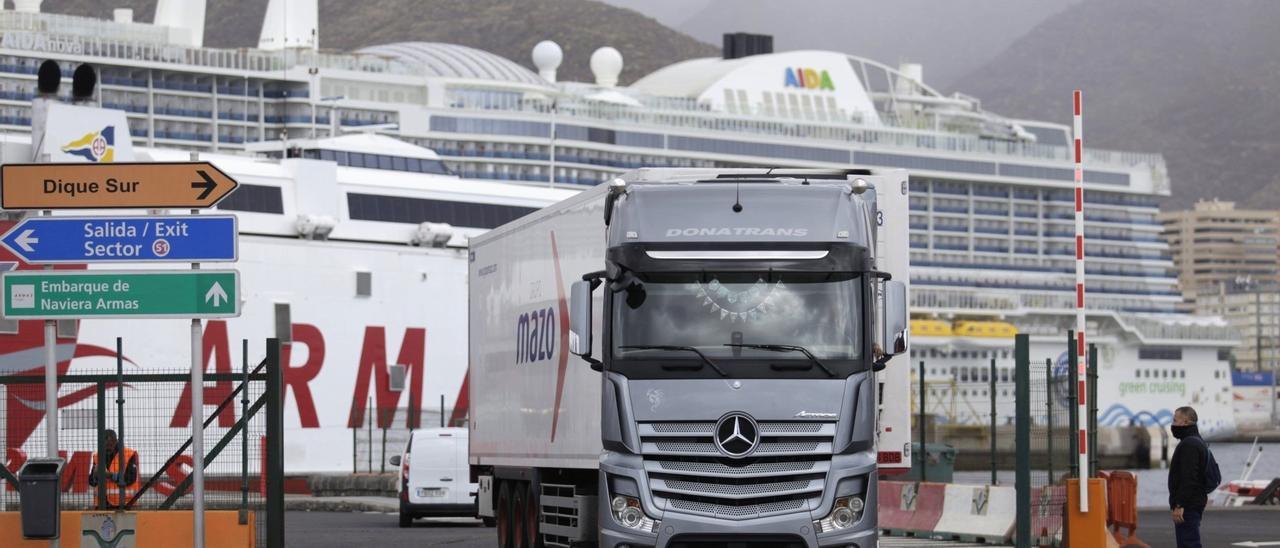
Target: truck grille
{"x":786,"y":473}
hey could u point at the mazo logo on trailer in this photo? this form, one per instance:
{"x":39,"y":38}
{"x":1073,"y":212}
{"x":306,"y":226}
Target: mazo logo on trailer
{"x":536,"y":335}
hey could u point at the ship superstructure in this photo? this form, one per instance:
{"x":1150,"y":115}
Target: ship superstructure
{"x":422,"y":134}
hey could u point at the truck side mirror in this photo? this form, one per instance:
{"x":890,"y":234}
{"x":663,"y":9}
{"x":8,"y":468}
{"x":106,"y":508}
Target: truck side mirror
{"x":894,"y":319}
{"x":580,"y":319}
{"x":394,"y":460}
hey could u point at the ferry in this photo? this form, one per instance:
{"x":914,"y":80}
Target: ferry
{"x":364,"y":173}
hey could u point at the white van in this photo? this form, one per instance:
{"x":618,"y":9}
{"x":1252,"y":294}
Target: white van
{"x":435,"y":480}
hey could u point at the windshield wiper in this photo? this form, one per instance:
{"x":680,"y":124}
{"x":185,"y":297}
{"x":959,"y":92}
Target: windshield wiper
{"x":704,"y":357}
{"x":787,"y":348}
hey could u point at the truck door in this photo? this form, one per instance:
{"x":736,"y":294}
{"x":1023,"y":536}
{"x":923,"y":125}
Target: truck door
{"x":433,"y":473}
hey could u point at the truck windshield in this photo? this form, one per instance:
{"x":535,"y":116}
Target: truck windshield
{"x":818,"y":311}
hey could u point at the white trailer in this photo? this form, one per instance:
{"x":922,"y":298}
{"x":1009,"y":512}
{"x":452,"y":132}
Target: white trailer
{"x":778,"y":274}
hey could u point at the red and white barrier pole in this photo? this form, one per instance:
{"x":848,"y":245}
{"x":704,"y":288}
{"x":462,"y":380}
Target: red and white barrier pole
{"x":1081,"y":359}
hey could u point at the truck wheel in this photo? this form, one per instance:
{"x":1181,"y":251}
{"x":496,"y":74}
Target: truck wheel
{"x":519,"y":520}
{"x":503,"y":510}
{"x":533,"y":518}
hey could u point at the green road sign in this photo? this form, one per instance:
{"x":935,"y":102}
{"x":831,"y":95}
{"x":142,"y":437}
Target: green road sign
{"x":87,"y":294}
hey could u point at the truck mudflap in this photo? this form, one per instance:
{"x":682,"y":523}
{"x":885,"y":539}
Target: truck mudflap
{"x":484,"y":503}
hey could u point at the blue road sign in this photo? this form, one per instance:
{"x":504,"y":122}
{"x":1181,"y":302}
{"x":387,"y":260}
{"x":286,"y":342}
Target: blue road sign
{"x":174,"y":239}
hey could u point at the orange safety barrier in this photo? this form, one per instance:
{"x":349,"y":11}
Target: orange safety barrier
{"x":155,"y":529}
{"x":1086,"y":529}
{"x":1122,"y":507}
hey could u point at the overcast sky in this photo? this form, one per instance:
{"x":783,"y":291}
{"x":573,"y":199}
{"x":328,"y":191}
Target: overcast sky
{"x":949,"y":37}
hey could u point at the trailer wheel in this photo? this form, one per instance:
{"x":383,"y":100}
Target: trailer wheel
{"x":519,"y":521}
{"x":533,"y":517}
{"x":503,"y":510}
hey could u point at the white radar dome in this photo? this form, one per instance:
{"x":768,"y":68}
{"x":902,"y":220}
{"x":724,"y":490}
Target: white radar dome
{"x":547,"y":56}
{"x":606,"y":64}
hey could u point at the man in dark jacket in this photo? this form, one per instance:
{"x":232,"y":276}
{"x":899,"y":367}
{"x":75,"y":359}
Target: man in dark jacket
{"x":1187,"y":498}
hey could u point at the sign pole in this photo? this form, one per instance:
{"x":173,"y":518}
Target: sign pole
{"x":1082,"y":402}
{"x":197,"y":418}
{"x":51,"y":387}
{"x":51,"y":381}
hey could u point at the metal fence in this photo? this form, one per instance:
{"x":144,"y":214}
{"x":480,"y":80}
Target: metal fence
{"x":150,"y":412}
{"x":1014,"y":416}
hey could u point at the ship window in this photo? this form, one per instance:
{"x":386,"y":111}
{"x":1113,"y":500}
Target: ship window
{"x":986,"y":376}
{"x":1224,"y":354}
{"x":384,"y":162}
{"x":364,"y":284}
{"x":398,"y":163}
{"x":1160,"y":353}
{"x":254,"y":198}
{"x":1004,"y":375}
{"x":396,"y":209}
{"x":964,"y":374}
{"x":284,"y":322}
{"x":1182,"y":374}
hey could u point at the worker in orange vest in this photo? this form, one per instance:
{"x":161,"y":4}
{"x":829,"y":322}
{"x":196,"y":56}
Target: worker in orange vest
{"x":115,"y":478}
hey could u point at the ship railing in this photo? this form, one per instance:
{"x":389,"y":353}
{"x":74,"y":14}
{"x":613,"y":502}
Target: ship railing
{"x":1152,"y":329}
{"x":136,"y":41}
{"x":1148,"y":329}
{"x":839,"y":126}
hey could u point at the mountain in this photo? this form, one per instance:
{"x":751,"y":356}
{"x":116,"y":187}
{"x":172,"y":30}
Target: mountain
{"x":949,"y":37}
{"x":1196,"y":81}
{"x":506,"y":27}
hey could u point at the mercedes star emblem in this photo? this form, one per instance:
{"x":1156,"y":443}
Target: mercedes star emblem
{"x":737,"y":435}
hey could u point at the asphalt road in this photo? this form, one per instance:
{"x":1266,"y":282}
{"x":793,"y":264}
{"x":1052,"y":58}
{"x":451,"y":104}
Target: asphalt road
{"x":1221,"y":528}
{"x":361,"y":529}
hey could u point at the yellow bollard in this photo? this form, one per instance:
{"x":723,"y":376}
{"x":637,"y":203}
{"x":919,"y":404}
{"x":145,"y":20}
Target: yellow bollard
{"x":1087,"y":530}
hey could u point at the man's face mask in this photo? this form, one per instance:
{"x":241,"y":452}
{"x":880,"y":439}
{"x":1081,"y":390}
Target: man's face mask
{"x":1180,"y":432}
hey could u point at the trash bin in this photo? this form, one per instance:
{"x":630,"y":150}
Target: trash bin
{"x":40,"y":498}
{"x":939,"y":463}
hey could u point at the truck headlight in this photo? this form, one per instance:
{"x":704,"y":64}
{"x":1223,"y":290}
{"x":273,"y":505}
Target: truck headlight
{"x":627,"y":513}
{"x":846,"y":512}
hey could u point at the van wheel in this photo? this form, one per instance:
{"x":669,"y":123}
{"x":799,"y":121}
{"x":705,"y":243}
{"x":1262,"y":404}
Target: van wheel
{"x":519,"y":520}
{"x":503,"y":510}
{"x":406,"y":520}
{"x":533,"y":518}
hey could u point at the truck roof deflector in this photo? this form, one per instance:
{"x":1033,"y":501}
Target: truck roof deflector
{"x":739,"y":254}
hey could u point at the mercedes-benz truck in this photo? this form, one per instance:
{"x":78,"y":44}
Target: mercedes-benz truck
{"x":693,"y":358}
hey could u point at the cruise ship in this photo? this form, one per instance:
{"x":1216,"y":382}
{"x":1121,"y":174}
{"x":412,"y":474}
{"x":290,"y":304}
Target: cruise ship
{"x":364,"y":173}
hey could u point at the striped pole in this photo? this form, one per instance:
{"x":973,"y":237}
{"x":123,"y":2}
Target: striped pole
{"x":1082,"y":401}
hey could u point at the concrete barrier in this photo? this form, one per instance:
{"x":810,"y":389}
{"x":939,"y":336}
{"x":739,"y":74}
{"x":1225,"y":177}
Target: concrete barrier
{"x":909,"y":508}
{"x":155,"y":529}
{"x":978,"y":513}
